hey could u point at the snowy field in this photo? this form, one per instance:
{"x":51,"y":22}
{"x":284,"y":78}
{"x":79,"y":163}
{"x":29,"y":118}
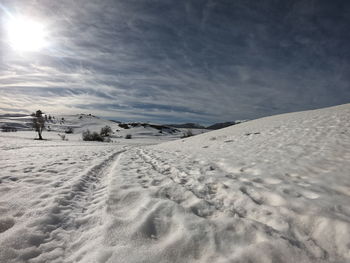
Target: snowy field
{"x":275,"y":189}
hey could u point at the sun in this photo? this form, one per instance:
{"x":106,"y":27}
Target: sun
{"x":25,"y":34}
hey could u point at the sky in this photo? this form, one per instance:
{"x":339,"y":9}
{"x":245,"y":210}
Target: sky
{"x":172,"y":61}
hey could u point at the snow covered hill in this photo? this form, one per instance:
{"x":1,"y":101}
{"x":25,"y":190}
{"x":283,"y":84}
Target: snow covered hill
{"x":276,"y":189}
{"x":81,"y":122}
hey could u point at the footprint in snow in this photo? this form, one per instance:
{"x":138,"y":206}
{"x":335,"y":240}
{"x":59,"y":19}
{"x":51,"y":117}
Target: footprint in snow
{"x":27,"y":170}
{"x":231,"y":176}
{"x":252,"y":194}
{"x":291,"y":193}
{"x":258,"y":180}
{"x":6,"y":223}
{"x":13,"y":179}
{"x":155,"y":182}
{"x":183,"y":181}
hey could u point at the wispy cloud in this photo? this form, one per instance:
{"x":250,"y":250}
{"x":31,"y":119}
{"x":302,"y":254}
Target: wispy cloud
{"x":174,"y":61}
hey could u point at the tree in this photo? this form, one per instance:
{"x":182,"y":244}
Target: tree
{"x":39,"y":123}
{"x":106,"y":131}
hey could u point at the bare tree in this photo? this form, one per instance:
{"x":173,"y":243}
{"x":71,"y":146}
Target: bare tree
{"x":106,"y":131}
{"x":39,"y":123}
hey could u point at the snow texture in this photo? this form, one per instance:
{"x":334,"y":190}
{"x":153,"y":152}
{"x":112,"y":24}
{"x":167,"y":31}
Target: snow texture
{"x":275,"y":189}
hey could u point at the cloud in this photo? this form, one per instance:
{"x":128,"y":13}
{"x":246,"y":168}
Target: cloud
{"x":169,"y":61}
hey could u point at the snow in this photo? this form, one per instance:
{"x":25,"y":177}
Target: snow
{"x":276,"y":189}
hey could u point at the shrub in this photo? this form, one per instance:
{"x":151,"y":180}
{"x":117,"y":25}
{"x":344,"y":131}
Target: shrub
{"x":69,"y":130}
{"x":106,"y":131}
{"x":128,"y":136}
{"x":187,"y":134}
{"x":8,"y":129}
{"x":97,"y":137}
{"x":91,"y":136}
{"x":124,"y":125}
{"x":86,"y":135}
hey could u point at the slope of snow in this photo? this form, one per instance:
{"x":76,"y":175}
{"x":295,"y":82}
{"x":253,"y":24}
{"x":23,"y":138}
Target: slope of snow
{"x":275,"y":189}
{"x":287,"y":176}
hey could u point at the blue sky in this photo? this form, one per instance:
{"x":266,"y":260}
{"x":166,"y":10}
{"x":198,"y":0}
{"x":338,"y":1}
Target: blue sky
{"x":172,"y":61}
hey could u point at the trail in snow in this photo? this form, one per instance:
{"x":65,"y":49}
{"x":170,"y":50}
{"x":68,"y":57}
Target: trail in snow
{"x":173,"y":216}
{"x":60,"y":197}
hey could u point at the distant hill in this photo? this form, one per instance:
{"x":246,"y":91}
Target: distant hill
{"x":7,"y":115}
{"x":15,"y":121}
{"x":188,"y":126}
{"x":215,"y":126}
{"x":222,"y":125}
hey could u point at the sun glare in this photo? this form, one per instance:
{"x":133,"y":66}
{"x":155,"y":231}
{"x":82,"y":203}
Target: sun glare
{"x":26,"y":35}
